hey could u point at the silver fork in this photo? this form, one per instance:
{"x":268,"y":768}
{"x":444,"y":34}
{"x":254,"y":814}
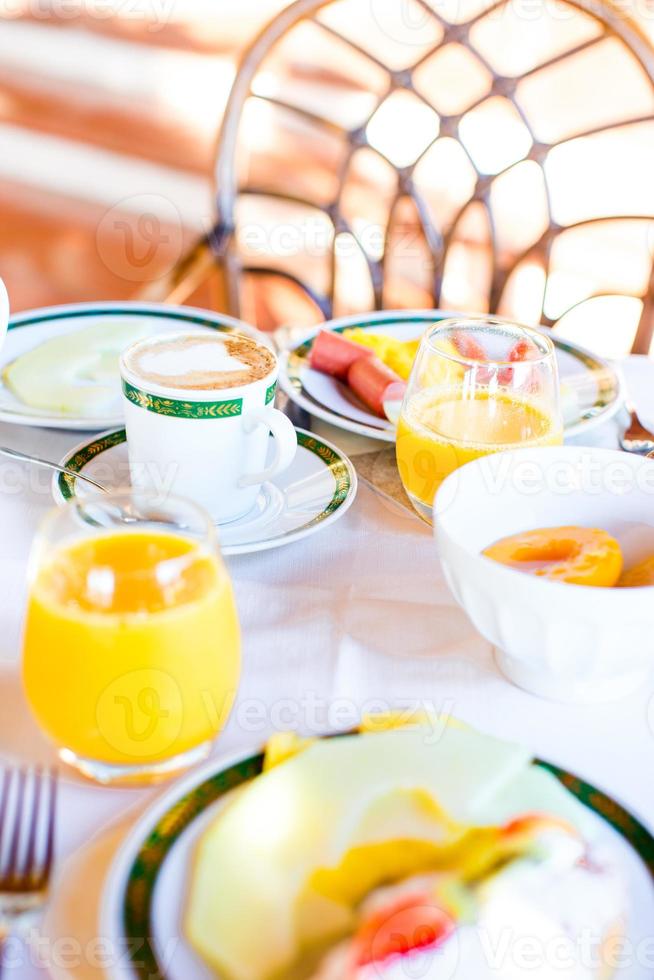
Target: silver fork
{"x":28,"y":802}
{"x":637,"y":438}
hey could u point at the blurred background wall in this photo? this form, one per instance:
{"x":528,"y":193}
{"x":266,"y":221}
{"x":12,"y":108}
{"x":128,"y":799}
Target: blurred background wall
{"x":109,"y":113}
{"x":109,"y":110}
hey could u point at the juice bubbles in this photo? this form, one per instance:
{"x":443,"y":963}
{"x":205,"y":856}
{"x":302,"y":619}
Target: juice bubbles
{"x":131,"y":651}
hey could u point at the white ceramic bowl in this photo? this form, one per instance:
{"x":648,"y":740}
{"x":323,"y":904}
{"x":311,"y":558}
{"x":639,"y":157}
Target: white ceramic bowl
{"x":565,"y":642}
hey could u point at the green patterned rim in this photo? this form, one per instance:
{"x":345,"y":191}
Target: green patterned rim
{"x":335,"y":463}
{"x":83,"y":310}
{"x":608,"y":385}
{"x":174,"y":408}
{"x":137,"y":900}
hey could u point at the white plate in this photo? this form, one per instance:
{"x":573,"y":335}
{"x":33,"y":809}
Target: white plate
{"x":66,"y":918}
{"x":28,"y":330}
{"x":145,"y":892}
{"x":316,"y":490}
{"x":591,"y":386}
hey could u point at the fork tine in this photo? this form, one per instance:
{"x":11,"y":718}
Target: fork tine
{"x":52,"y":824}
{"x":12,"y":865}
{"x":30,"y":853}
{"x":6,"y":786}
{"x":28,"y":831}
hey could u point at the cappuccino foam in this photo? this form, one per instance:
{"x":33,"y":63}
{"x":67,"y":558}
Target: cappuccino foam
{"x":199,"y":361}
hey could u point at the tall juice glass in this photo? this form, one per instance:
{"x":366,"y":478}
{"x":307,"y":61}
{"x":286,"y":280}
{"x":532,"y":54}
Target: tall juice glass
{"x":479,"y":385}
{"x":131,"y":655}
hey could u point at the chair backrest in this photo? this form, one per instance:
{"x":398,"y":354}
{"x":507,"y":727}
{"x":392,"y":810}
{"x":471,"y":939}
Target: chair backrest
{"x":383,"y":154}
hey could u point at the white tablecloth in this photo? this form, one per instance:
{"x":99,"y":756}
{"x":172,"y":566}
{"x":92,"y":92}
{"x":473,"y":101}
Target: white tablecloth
{"x":357,"y":618}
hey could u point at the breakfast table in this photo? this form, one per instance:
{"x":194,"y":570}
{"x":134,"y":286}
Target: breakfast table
{"x":351,"y":621}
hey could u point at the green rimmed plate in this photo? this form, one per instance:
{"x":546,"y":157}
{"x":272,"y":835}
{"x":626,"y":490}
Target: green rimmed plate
{"x":27,"y":330}
{"x":143,"y":902}
{"x":591,"y":387}
{"x":315,"y":491}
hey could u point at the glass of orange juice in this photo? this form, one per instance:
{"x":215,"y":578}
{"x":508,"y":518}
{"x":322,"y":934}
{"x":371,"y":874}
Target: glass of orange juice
{"x":479,"y":385}
{"x":131,"y":656}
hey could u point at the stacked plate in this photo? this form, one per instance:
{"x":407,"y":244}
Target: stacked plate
{"x":591,"y":387}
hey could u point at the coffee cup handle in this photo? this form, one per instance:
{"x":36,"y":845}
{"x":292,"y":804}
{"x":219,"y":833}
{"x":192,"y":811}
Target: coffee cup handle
{"x":285,"y":437}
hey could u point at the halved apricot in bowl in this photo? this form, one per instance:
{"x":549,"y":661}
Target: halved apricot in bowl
{"x":577,"y":555}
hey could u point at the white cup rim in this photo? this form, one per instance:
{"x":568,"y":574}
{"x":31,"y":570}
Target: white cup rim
{"x":195,"y":395}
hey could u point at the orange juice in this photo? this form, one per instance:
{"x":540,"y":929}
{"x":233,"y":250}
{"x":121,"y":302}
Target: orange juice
{"x":132,"y":647}
{"x":442,"y":430}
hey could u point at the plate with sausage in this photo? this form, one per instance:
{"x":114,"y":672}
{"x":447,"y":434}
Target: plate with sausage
{"x":353,"y":372}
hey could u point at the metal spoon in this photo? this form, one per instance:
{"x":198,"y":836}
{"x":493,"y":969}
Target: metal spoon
{"x":637,"y":439}
{"x":104,"y":516}
{"x":25,"y":458}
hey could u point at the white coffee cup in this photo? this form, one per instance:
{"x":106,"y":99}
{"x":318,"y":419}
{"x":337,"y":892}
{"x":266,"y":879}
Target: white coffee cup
{"x":193,"y":430}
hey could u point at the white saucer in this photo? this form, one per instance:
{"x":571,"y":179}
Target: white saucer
{"x":28,"y":330}
{"x":316,"y":490}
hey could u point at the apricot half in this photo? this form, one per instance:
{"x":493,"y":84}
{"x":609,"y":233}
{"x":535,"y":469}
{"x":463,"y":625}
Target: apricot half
{"x":578,"y":555}
{"x":640,"y":574}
